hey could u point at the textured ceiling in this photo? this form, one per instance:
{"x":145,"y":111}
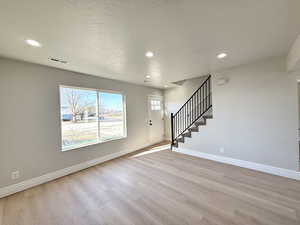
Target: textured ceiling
{"x":109,"y":38}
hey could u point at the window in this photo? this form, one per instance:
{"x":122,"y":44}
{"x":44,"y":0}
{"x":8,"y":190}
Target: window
{"x":90,"y":117}
{"x":112,"y":123}
{"x":155,"y":105}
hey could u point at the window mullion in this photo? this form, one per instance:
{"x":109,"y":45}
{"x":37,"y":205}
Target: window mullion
{"x":124,"y":116}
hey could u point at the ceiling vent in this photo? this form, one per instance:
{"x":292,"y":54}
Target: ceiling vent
{"x":58,"y":60}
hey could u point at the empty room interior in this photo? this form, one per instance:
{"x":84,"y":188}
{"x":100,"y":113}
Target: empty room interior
{"x":150,"y":112}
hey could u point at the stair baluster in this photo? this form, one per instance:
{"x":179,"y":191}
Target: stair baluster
{"x":191,"y":112}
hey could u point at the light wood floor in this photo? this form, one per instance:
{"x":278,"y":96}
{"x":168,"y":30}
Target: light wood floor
{"x":158,"y":188}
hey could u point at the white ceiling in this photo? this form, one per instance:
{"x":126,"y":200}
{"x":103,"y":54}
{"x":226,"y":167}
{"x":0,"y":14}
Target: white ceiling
{"x":109,"y":38}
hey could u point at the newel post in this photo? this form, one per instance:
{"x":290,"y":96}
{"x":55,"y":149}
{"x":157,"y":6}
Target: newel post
{"x":172,"y":130}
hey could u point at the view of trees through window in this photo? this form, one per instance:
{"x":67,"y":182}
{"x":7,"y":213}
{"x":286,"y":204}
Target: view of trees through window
{"x":90,"y":117}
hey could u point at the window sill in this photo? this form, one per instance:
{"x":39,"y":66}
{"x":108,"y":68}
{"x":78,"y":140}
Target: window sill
{"x":78,"y":147}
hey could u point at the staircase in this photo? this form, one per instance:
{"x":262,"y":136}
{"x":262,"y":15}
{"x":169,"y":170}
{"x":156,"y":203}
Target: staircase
{"x":193,"y":114}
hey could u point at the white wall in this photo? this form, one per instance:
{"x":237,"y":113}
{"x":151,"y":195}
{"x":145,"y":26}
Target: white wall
{"x":255,"y":116}
{"x":298,"y":104}
{"x":293,"y":59}
{"x":30,"y":119}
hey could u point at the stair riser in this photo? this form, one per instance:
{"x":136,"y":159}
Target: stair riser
{"x":181,"y":140}
{"x":200,"y":124}
{"x":194,"y":129}
{"x":189,"y":135}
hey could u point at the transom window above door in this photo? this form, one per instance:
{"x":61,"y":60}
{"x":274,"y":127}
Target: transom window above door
{"x":155,"y":105}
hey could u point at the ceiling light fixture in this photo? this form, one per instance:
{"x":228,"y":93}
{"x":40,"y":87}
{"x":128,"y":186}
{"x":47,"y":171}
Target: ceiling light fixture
{"x":222,"y":55}
{"x":148,"y":76}
{"x":149,"y":54}
{"x":33,"y":43}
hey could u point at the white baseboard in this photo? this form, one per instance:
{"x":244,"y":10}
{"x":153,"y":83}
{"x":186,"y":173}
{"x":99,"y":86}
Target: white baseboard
{"x":5,"y":191}
{"x":241,"y":163}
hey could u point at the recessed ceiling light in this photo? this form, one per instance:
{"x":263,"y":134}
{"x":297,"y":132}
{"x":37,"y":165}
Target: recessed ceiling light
{"x":222,"y":55}
{"x":148,"y":76}
{"x":149,"y":54}
{"x":33,"y":43}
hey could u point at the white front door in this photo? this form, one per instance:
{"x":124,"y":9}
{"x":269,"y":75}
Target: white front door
{"x":155,"y":121}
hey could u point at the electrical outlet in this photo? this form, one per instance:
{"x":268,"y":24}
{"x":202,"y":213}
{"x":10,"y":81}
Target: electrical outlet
{"x":15,"y":175}
{"x":222,"y":150}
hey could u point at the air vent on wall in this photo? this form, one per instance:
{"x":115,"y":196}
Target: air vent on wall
{"x":58,"y":60}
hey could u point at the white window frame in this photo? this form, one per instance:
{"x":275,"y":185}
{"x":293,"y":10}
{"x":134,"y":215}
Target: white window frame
{"x":98,"y":104}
